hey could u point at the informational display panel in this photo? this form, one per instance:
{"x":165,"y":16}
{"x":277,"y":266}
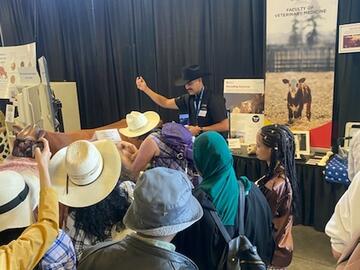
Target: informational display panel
{"x":300,"y":57}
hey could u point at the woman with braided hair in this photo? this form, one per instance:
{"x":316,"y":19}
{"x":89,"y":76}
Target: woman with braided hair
{"x":275,"y":145}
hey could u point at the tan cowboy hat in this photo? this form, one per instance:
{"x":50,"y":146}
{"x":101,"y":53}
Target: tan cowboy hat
{"x":19,"y":197}
{"x":139,"y":123}
{"x":85,"y":173}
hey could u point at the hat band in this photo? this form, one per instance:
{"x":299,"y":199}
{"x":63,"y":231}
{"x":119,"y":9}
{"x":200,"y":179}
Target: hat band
{"x":16,"y":201}
{"x":89,"y":177}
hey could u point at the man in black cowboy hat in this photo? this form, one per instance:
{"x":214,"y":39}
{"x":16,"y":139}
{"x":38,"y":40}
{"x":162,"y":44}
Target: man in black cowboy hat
{"x":200,"y":109}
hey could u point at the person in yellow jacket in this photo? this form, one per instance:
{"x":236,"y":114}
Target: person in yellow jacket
{"x":26,"y":251}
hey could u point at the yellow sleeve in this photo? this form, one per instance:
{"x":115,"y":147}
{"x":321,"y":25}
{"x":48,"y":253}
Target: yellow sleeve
{"x":26,"y":251}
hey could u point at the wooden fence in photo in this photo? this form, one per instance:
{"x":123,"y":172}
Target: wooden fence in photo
{"x":283,"y":59}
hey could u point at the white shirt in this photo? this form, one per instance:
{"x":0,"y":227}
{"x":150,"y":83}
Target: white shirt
{"x":354,"y":156}
{"x":344,"y":225}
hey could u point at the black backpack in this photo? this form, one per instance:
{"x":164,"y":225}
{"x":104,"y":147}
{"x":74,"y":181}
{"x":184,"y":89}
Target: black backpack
{"x":239,"y":254}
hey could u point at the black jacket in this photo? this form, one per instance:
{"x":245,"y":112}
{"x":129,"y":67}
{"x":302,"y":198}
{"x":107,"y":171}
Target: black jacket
{"x":204,"y":243}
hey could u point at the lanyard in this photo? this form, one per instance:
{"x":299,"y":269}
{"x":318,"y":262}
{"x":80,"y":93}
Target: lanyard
{"x":198,"y":105}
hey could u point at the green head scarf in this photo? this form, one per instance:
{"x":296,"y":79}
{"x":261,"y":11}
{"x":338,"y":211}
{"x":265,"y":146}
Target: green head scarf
{"x":215,"y":163}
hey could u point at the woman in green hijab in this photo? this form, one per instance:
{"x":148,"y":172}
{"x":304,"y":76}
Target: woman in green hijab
{"x":219,"y":179}
{"x":219,"y":192}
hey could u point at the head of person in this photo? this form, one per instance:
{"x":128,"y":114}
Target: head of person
{"x":214,"y":162}
{"x":97,"y":219}
{"x":163,"y":204}
{"x":191,"y":79}
{"x":140,"y":125}
{"x":275,"y":144}
{"x":85,"y":176}
{"x":354,"y":156}
{"x":19,"y":197}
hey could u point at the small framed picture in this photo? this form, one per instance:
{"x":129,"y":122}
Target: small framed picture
{"x":349,"y":38}
{"x":351,"y":128}
{"x":302,"y":142}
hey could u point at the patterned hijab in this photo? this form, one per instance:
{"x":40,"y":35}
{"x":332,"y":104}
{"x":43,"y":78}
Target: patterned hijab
{"x":215,"y":163}
{"x":354,"y":156}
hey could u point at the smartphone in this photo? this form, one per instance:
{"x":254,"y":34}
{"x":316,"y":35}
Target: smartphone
{"x":26,"y":147}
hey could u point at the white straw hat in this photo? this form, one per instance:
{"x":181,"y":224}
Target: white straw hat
{"x":140,"y":123}
{"x":85,"y":173}
{"x":19,"y":197}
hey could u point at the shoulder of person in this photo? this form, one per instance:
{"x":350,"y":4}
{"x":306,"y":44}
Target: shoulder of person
{"x":93,"y":254}
{"x":183,"y":97}
{"x":204,"y":199}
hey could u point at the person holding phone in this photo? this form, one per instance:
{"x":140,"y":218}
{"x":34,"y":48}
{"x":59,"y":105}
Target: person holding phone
{"x":28,"y":249}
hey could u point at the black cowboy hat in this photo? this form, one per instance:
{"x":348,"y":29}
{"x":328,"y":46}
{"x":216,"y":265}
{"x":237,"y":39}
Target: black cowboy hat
{"x":189,"y":74}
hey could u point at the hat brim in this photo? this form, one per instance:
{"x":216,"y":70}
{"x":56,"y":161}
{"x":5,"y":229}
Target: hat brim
{"x":193,"y":213}
{"x":82,"y":196}
{"x":23,"y":215}
{"x":153,"y":120}
{"x":182,"y":82}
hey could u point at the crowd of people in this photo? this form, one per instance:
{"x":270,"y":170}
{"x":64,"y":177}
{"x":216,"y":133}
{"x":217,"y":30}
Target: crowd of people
{"x":164,"y":217}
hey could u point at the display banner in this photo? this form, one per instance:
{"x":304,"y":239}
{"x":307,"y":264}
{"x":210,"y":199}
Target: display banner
{"x":300,"y":57}
{"x":17,"y":64}
{"x":245,"y":101}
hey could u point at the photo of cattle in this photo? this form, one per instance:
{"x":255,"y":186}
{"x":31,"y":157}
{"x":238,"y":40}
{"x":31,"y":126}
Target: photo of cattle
{"x":302,"y":100}
{"x":245,"y":103}
{"x":300,"y":61}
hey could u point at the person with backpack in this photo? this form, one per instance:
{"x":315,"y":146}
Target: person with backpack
{"x":170,"y":147}
{"x":200,"y":109}
{"x":275,"y":145}
{"x":219,"y":193}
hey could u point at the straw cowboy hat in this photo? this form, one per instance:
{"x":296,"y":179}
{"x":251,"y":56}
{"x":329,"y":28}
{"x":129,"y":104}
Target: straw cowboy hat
{"x":189,"y":74}
{"x":163,"y":203}
{"x":85,"y":173}
{"x":140,"y":123}
{"x":19,"y":197}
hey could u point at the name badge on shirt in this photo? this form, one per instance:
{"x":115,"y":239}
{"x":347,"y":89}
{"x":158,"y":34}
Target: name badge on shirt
{"x":202,"y":113}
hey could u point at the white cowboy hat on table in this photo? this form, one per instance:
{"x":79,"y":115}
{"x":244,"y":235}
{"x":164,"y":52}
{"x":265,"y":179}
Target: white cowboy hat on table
{"x":19,"y":197}
{"x":140,"y":123}
{"x":85,"y":173}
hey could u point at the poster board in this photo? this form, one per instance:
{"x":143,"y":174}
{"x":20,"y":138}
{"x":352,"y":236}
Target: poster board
{"x":17,"y":66}
{"x":245,"y":100}
{"x":300,"y":62}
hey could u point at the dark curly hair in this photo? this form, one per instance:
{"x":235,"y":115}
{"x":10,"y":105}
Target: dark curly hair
{"x":99,"y":218}
{"x":281,"y":141}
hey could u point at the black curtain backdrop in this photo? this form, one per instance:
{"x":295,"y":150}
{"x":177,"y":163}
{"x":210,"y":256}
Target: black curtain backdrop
{"x":347,"y":76}
{"x":104,"y":44}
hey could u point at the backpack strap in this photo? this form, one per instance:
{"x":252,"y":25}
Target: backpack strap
{"x":241,"y":206}
{"x":220,"y":226}
{"x":240,"y":215}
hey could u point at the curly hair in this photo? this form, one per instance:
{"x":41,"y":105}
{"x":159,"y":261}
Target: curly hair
{"x":98,"y":219}
{"x":281,"y":141}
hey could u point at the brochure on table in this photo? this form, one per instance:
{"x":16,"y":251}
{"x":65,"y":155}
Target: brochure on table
{"x":245,"y":101}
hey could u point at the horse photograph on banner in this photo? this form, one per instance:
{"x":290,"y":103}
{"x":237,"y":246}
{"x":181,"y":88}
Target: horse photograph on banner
{"x":300,"y":60}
